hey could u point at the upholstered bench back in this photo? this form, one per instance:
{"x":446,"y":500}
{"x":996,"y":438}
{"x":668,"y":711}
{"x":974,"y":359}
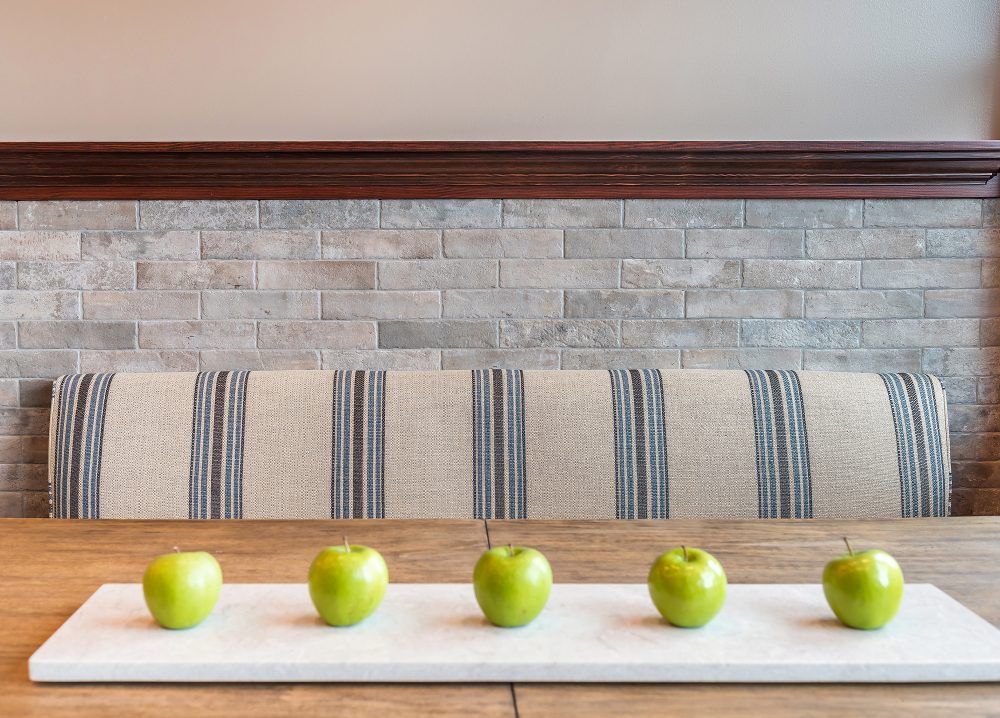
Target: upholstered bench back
{"x":499,"y":444}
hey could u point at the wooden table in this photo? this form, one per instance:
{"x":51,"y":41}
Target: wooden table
{"x":48,"y":568}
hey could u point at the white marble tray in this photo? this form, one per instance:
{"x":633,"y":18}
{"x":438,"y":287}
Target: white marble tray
{"x":603,"y":633}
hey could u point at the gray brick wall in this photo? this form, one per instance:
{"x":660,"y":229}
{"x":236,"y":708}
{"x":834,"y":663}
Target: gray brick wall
{"x":864,"y":285}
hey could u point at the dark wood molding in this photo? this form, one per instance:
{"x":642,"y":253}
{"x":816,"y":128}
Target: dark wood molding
{"x":262,"y":170}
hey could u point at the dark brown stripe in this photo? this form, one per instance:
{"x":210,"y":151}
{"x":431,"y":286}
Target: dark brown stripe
{"x":641,"y":475}
{"x":79,"y":416}
{"x":499,"y":495}
{"x":784,"y":476}
{"x":218,"y":429}
{"x":357,"y":447}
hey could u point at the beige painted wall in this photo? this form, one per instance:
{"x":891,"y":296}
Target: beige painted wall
{"x":498,"y":69}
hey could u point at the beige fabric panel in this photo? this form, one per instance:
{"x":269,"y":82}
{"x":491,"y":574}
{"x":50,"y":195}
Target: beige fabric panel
{"x":711,"y":457}
{"x":288,"y":445}
{"x":146,"y":458}
{"x":569,"y":437}
{"x":852,"y":445}
{"x":428,"y":445}
{"x":941,"y":398}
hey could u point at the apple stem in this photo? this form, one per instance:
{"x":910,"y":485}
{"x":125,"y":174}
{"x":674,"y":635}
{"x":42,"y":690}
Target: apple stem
{"x":685,"y":550}
{"x":849,"y":549}
{"x":347,"y":546}
{"x":510,"y":549}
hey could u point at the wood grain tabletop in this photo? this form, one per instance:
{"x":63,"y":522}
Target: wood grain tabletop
{"x":48,"y":568}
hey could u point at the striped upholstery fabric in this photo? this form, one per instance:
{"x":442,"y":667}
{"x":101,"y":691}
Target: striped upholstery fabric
{"x":492,"y":443}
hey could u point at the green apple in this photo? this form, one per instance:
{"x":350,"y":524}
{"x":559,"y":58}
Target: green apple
{"x":182,"y":588}
{"x":347,"y":583}
{"x":864,"y":589}
{"x":688,"y":586}
{"x":512,"y":584}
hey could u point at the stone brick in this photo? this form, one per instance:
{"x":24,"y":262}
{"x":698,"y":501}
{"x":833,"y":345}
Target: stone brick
{"x":864,"y":304}
{"x":9,"y":392}
{"x":24,"y":422}
{"x":260,"y":244}
{"x":683,"y":213}
{"x":381,"y":305}
{"x":680,"y":333}
{"x":517,"y":303}
{"x":989,"y":335}
{"x":928,"y":273}
{"x":562,"y":213}
{"x":8,"y":275}
{"x":987,"y":390}
{"x":817,"y":333}
{"x":34,"y":392}
{"x":805,"y":273}
{"x":319,"y":213}
{"x":8,"y":215}
{"x":440,"y":213}
{"x":138,"y":305}
{"x":286,"y":359}
{"x":316,"y":335}
{"x":962,"y":302}
{"x":105,"y":214}
{"x":34,"y":449}
{"x":76,"y":335}
{"x":739,"y":243}
{"x":621,"y":359}
{"x":962,"y":361}
{"x":37,"y":363}
{"x":774,"y":303}
{"x":680,"y":273}
{"x":139,"y":245}
{"x":318,"y":274}
{"x":558,"y":273}
{"x":864,"y":243}
{"x":963,"y":242}
{"x":250,"y":304}
{"x":976,"y":474}
{"x":624,"y":304}
{"x":974,"y":418}
{"x":991,"y":213}
{"x":10,"y":449}
{"x":975,"y":446}
{"x":558,"y":333}
{"x":10,"y":505}
{"x":500,"y":359}
{"x":961,"y":389}
{"x":196,"y":334}
{"x":23,"y":477}
{"x":8,"y":335}
{"x":197,"y":214}
{"x":398,"y":359}
{"x":457,"y":333}
{"x":39,"y":305}
{"x":36,"y":504}
{"x":210,"y":274}
{"x":922,"y":212}
{"x":633,"y":243}
{"x":503,"y":243}
{"x":438,"y":274}
{"x":742,"y":358}
{"x":387,"y":243}
{"x":919,"y":332}
{"x":991,"y":273}
{"x":142,"y":360}
{"x":863,"y":360}
{"x":807,"y":213}
{"x":52,"y":246}
{"x":75,"y":275}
